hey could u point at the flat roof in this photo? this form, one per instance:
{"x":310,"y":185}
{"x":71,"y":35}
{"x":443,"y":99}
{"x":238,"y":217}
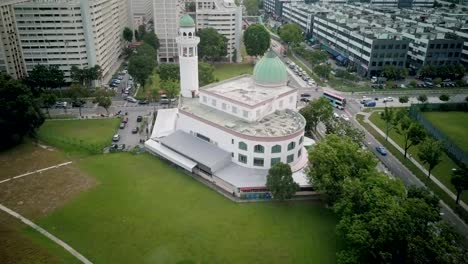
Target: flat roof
{"x":243,"y":89}
{"x":279,"y":123}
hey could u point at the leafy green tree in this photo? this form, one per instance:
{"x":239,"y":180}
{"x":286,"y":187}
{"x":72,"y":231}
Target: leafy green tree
{"x":44,"y":77}
{"x":169,"y":72}
{"x":146,"y":50}
{"x":48,"y":100}
{"x":251,"y":6}
{"x":172,"y":88}
{"x":403,"y":99}
{"x":422,"y":98}
{"x":137,"y":36}
{"x":141,"y":65}
{"x":127,"y":34}
{"x":151,"y":39}
{"x":153,"y":94}
{"x":318,"y":110}
{"x":86,"y":76}
{"x":430,"y":153}
{"x":342,"y":129}
{"x":389,"y":84}
{"x":291,"y":34}
{"x":205,"y":74}
{"x":444,"y":97}
{"x":323,"y":70}
{"x":413,"y":133}
{"x":20,"y":114}
{"x":459,"y":180}
{"x":77,"y":94}
{"x":391,"y":120}
{"x":280,"y":181}
{"x":413,"y":83}
{"x":333,"y":161}
{"x":142,"y":32}
{"x":212,"y":46}
{"x":437,"y":81}
{"x":256,"y":40}
{"x":103,"y":99}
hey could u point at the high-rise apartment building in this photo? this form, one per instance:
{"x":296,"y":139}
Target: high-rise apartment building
{"x":166,"y":17}
{"x":224,"y":16}
{"x":11,"y":56}
{"x":72,"y":32}
{"x":141,"y":12}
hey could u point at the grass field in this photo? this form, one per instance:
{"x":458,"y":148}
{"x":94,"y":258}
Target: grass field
{"x":453,"y":124}
{"x":226,"y":71}
{"x":442,"y":171}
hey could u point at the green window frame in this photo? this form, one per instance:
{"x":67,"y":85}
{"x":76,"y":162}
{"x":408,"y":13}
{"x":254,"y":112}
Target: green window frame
{"x":259,"y":149}
{"x":242,"y":158}
{"x":242,"y":145}
{"x":290,"y":158}
{"x":275,"y":161}
{"x":291,"y":145}
{"x":276,"y":149}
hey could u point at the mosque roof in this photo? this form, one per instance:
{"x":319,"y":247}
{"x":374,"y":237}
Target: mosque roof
{"x":186,"y":21}
{"x":270,"y":70}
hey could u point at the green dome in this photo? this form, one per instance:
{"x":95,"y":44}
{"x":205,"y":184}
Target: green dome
{"x":186,"y":21}
{"x":270,"y":70}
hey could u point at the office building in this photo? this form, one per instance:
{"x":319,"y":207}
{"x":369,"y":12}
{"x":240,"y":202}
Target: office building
{"x":402,"y":3}
{"x":141,"y":12}
{"x":275,"y":7}
{"x":166,"y":15}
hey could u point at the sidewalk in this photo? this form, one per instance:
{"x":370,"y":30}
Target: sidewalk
{"x":433,"y":178}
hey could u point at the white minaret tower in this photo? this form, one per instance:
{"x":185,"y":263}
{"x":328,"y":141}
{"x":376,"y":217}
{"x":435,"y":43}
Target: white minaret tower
{"x":188,"y":57}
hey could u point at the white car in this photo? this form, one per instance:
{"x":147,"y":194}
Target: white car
{"x":131,"y":99}
{"x":335,"y":115}
{"x":388,"y":99}
{"x":344,"y":117}
{"x":116,"y":138}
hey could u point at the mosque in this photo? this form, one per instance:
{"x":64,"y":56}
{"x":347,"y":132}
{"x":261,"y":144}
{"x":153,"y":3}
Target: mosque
{"x":231,"y":132}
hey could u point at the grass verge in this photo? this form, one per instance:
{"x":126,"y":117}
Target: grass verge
{"x":415,"y":170}
{"x":226,"y":71}
{"x":454,"y":124}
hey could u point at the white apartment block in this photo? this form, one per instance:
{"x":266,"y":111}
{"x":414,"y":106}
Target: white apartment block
{"x":402,"y":3}
{"x":11,"y":55}
{"x":166,"y":26}
{"x":72,"y":32}
{"x":224,"y":16}
{"x":141,"y":12}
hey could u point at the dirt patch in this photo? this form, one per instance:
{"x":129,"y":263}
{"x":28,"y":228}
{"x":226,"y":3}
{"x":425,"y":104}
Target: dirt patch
{"x":28,"y":157}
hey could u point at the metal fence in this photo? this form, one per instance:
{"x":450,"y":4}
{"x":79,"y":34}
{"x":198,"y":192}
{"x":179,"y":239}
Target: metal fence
{"x":451,"y":148}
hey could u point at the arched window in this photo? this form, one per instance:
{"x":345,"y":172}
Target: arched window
{"x":276,"y":149}
{"x":190,"y":34}
{"x":185,"y":34}
{"x":242,"y":146}
{"x":291,"y":145}
{"x":301,"y":140}
{"x":259,"y":149}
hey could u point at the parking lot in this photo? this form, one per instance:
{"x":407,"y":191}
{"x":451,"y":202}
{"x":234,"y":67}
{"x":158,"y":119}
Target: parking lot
{"x":127,"y":134}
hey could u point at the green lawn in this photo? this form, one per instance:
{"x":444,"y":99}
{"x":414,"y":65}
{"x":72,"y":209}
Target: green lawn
{"x":145,"y":211}
{"x":453,"y":124}
{"x":441,"y":171}
{"x":226,"y":71}
{"x":73,"y":135}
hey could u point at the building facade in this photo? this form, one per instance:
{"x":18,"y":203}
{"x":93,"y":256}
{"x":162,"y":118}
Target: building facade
{"x":166,"y":14}
{"x":141,"y":12}
{"x":402,"y":3}
{"x":83,"y":33}
{"x":11,"y":55}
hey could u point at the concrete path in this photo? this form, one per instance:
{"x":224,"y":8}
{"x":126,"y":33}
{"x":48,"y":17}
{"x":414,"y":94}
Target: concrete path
{"x":36,"y":171}
{"x":45,"y":233}
{"x":421,"y":167}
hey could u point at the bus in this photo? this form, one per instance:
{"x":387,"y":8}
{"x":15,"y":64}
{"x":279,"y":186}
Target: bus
{"x":336,"y":100}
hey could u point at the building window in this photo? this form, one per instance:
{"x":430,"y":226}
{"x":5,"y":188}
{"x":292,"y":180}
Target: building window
{"x":276,"y":149}
{"x":213,"y":102}
{"x":200,"y":136}
{"x":458,"y":45}
{"x":232,"y":141}
{"x":258,"y":162}
{"x":299,"y":153}
{"x":245,"y":113}
{"x":234,"y":110}
{"x":242,"y":146}
{"x":431,"y":46}
{"x":242,"y":158}
{"x":275,"y":160}
{"x":403,"y":46}
{"x":301,"y":140}
{"x":259,"y":149}
{"x":223,"y":105}
{"x":374,"y":63}
{"x":204,"y":99}
{"x":290,"y":158}
{"x":232,"y":154}
{"x":291,"y":145}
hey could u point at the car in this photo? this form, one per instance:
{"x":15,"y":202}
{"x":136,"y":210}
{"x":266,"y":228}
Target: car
{"x":125,"y":120}
{"x":78,"y":103}
{"x":388,"y":99}
{"x":340,"y":107}
{"x":61,"y":105}
{"x":336,"y":115}
{"x":305,"y":99}
{"x":113,"y":84}
{"x":121,"y":147}
{"x":139,"y":118}
{"x":122,"y":125}
{"x":116,"y":138}
{"x":376,"y":99}
{"x":311,"y":82}
{"x":344,"y":117}
{"x":381,"y":150}
{"x":305,"y":95}
{"x":135,"y":130}
{"x":143,"y":102}
{"x":118,"y":81}
{"x":132,"y":100}
{"x":120,"y":78}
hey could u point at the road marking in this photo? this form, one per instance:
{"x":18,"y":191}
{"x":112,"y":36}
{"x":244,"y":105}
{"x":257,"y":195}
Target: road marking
{"x":45,"y":233}
{"x":36,"y":171}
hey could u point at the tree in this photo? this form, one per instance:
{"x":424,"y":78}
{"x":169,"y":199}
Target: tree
{"x":127,"y":34}
{"x":437,"y":81}
{"x":391,"y":120}
{"x":459,"y":180}
{"x":422,"y":98}
{"x":77,"y":93}
{"x":212,"y":46}
{"x":205,"y":74}
{"x":413,"y":83}
{"x":142,"y":31}
{"x":345,"y":129}
{"x":44,"y":77}
{"x":403,"y":99}
{"x":137,"y":36}
{"x":20,"y":114}
{"x":147,"y":51}
{"x":172,"y":88}
{"x":169,"y":72}
{"x":318,"y":110}
{"x":141,"y":65}
{"x":280,"y":181}
{"x":151,"y":39}
{"x":48,"y":100}
{"x":323,"y":70}
{"x":256,"y":40}
{"x":430,"y":153}
{"x":103,"y":99}
{"x":444,"y":97}
{"x":413,"y":133}
{"x":251,"y":6}
{"x":389,"y":84}
{"x":335,"y":160}
{"x":85,"y":76}
{"x":291,"y":34}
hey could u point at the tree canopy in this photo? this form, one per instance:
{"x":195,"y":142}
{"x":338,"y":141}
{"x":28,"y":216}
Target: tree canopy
{"x":280,"y":181}
{"x":318,"y":110}
{"x":256,"y":40}
{"x":169,"y":72}
{"x":44,"y":77}
{"x":291,"y":33}
{"x":413,"y":133}
{"x":85,"y":76}
{"x":127,"y":34}
{"x":151,"y":39}
{"x":430,"y":153}
{"x":459,"y":180}
{"x":252,"y":7}
{"x":212,"y":46}
{"x":205,"y":74}
{"x":20,"y":115}
{"x":141,"y":64}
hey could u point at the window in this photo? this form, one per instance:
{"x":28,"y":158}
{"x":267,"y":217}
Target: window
{"x":445,"y":46}
{"x":403,"y":46}
{"x":232,"y":141}
{"x":299,"y":153}
{"x":259,"y":149}
{"x":281,"y":104}
{"x":290,"y":158}
{"x":374,"y":63}
{"x":276,"y":149}
{"x":213,"y":102}
{"x":301,"y":140}
{"x":452,"y":45}
{"x":242,"y":146}
{"x":376,"y":47}
{"x":258,"y":162}
{"x":458,"y":45}
{"x":450,"y":54}
{"x":291,"y":145}
{"x":203,"y":137}
{"x":242,"y":158}
{"x":390,"y":46}
{"x":397,"y":46}
{"x":437,"y":46}
{"x":275,"y":160}
{"x":384,"y":47}
{"x":380,"y":63}
{"x":204,"y":99}
{"x":223,"y":105}
{"x":245,"y":113}
{"x":232,"y":154}
{"x":431,"y":46}
{"x":234,"y":110}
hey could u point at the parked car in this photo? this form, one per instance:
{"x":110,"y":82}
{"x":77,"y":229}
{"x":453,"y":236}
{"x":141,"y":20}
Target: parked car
{"x":122,"y":125}
{"x":116,"y":138}
{"x":125,"y":120}
{"x":61,"y":105}
{"x":139,"y":118}
{"x":143,"y":102}
{"x":370,"y":104}
{"x":340,"y":107}
{"x":381,"y":150}
{"x":78,"y":103}
{"x":135,"y":130}
{"x":131,"y":99}
{"x":305,"y":95}
{"x":121,"y":147}
{"x":305,"y":99}
{"x":388,"y":99}
{"x":336,"y":115}
{"x":344,"y":117}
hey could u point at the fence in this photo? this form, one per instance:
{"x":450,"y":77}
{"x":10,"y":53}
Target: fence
{"x":451,"y":148}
